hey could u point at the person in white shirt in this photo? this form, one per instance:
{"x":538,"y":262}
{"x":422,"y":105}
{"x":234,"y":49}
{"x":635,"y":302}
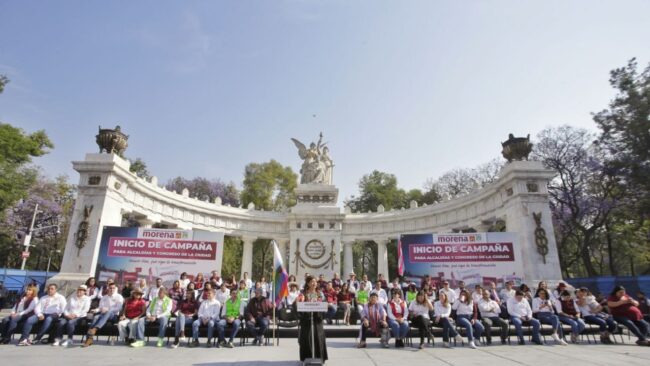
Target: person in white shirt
{"x":142,"y":286}
{"x":477,"y":294}
{"x":398,"y":314}
{"x":153,"y":290}
{"x":490,"y":310}
{"x":184,"y":280}
{"x":461,"y":287}
{"x":521,"y":313}
{"x":442,"y":310}
{"x":232,"y":312}
{"x":419,"y":310}
{"x":365,"y":283}
{"x":381,"y":293}
{"x":467,"y":317}
{"x":544,"y":309}
{"x":77,"y":308}
{"x":248,"y":281}
{"x":20,"y":312}
{"x":223,"y":294}
{"x":353,"y":284}
{"x":108,"y":310}
{"x":396,"y":284}
{"x":293,"y":294}
{"x":507,"y":292}
{"x":593,"y":313}
{"x":158,"y":311}
{"x":208,"y":316}
{"x":47,"y":311}
{"x":451,"y":294}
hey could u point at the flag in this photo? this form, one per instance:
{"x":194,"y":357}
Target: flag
{"x":280,"y":276}
{"x":400,"y":257}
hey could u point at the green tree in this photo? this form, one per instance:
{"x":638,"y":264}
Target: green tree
{"x":232,"y":257}
{"x":377,"y":188}
{"x":17,"y":149}
{"x":3,"y":82}
{"x":139,"y":167}
{"x":270,"y":186}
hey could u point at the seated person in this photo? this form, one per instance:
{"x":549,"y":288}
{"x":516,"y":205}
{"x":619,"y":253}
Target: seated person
{"x":382,"y":296}
{"x":187,"y":310}
{"x":544,"y":310}
{"x":208,"y":315}
{"x":411,"y":293}
{"x":373,"y":319}
{"x":258,"y":315}
{"x":398,"y":314}
{"x":47,"y":311}
{"x":490,"y":310}
{"x":467,"y":317}
{"x":134,"y":309}
{"x":625,"y":310}
{"x":244,"y":292}
{"x":231,"y":314}
{"x":76,"y":309}
{"x":442,"y":311}
{"x":570,"y":314}
{"x":177,"y":292}
{"x":331,"y":295}
{"x":109,"y":309}
{"x":520,"y":314}
{"x":361,"y":298}
{"x":593,"y":313}
{"x":451,"y":294}
{"x":158,"y":311}
{"x":419,"y":310}
{"x":644,"y":305}
{"x":19,"y":313}
{"x":344,"y":298}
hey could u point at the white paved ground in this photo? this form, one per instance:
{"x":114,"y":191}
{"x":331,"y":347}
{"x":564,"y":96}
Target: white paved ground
{"x":341,"y":352}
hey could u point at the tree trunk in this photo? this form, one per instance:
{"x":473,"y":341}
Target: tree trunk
{"x":610,"y":252}
{"x":585,"y":254}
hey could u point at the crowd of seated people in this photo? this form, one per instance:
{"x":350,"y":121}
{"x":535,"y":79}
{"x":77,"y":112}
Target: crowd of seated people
{"x":384,"y":309}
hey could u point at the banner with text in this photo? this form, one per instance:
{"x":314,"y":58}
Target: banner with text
{"x":475,"y":258}
{"x":128,"y":254}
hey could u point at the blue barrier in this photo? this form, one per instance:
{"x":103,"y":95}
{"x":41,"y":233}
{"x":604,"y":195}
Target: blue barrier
{"x":15,"y":279}
{"x":605,"y":285}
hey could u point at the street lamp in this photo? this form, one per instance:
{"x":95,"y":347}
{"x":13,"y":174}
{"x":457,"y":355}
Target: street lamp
{"x":28,"y":237}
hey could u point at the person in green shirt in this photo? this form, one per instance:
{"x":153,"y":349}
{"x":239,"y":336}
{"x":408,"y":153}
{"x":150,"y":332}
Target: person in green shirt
{"x":361,"y":299}
{"x":243,"y":293}
{"x":411,"y":293}
{"x":231,"y":313}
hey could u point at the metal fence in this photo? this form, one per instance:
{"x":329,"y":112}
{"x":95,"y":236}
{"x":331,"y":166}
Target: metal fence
{"x":15,"y":280}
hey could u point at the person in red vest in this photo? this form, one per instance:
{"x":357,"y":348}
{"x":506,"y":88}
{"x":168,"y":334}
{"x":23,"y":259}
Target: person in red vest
{"x":625,"y":310}
{"x":398,"y":313}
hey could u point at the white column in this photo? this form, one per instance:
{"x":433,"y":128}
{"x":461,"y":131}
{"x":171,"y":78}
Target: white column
{"x":247,"y":256}
{"x":347,"y":258}
{"x":382,"y":257}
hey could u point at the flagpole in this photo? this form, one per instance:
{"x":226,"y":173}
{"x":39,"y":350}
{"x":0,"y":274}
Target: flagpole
{"x":273,"y":293}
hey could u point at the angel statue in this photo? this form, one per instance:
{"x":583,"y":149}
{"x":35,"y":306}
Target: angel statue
{"x":317,"y":165}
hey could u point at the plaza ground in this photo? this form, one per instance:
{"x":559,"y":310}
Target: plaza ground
{"x":342,"y":352}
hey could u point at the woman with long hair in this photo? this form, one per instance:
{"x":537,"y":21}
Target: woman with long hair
{"x":311,"y":294}
{"x":442,"y":309}
{"x":21,"y":311}
{"x":419,"y":310}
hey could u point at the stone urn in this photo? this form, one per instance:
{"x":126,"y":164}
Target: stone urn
{"x":516,"y":148}
{"x":113,"y":141}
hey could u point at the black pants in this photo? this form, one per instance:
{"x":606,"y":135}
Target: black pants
{"x":422,"y":324}
{"x":488,"y":323}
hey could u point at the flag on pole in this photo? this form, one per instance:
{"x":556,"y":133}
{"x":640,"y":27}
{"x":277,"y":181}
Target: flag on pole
{"x":400,"y":257}
{"x":280,"y":276}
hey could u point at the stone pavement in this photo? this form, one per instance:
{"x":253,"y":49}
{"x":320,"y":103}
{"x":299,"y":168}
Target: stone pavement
{"x":341,"y":352}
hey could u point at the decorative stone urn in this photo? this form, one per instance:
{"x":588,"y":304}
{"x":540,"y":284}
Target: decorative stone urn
{"x":112,"y":141}
{"x":516,"y":148}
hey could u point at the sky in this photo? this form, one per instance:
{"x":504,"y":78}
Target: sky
{"x":412,"y":88}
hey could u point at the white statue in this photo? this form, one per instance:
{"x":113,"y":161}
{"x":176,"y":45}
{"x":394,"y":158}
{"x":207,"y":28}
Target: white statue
{"x":317,"y":165}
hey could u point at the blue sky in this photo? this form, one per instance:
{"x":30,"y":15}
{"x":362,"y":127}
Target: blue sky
{"x":414,"y":88}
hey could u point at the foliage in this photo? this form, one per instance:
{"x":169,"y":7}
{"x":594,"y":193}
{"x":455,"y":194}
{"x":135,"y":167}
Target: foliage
{"x":459,"y":182}
{"x":139,"y":167}
{"x":3,"y":82}
{"x":270,"y":186}
{"x":206,"y":189}
{"x":232,"y":257}
{"x":17,"y":148}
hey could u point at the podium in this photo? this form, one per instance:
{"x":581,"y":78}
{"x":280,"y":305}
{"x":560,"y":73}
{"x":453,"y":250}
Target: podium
{"x":311,"y":308}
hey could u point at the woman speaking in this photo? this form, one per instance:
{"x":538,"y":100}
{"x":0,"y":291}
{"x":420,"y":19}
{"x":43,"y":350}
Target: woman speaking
{"x":311,"y":294}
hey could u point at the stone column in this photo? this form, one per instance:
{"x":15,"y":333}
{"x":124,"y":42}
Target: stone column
{"x":382,"y":257}
{"x":247,"y":256}
{"x":347,"y":258}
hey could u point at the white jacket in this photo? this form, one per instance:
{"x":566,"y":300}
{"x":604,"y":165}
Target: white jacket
{"x":51,"y":305}
{"x":210,"y":309}
{"x":78,"y":306}
{"x":519,"y":309}
{"x":489,"y":308}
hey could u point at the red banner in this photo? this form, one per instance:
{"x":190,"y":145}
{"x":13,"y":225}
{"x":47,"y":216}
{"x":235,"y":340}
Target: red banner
{"x":470,"y":252}
{"x":161,"y":248}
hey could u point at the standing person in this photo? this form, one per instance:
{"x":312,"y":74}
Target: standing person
{"x":625,"y":311}
{"x":373,"y":319}
{"x":158,"y":311}
{"x":108,"y":310}
{"x":258,"y":316}
{"x":134,"y":308}
{"x":77,"y":308}
{"x":520,"y":314}
{"x":593,"y":313}
{"x":185,"y":314}
{"x":20,"y":312}
{"x":47,"y":311}
{"x":305,"y":331}
{"x":467,"y":317}
{"x":490,"y":311}
{"x":570,"y":314}
{"x":397,"y":318}
{"x":544,"y":309}
{"x":208,"y":316}
{"x":231,"y":313}
{"x":419,"y":310}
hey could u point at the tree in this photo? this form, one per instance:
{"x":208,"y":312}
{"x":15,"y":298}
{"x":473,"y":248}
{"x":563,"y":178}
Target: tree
{"x":269,"y":186}
{"x":233,"y":252}
{"x":378,"y":188}
{"x":206,"y":189}
{"x":55,"y":199}
{"x":139,"y":167}
{"x":459,"y":182}
{"x":3,"y":82}
{"x":17,"y":149}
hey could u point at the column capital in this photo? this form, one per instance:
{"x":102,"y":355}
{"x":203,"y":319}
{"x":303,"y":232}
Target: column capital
{"x":382,"y":241}
{"x":248,"y":238}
